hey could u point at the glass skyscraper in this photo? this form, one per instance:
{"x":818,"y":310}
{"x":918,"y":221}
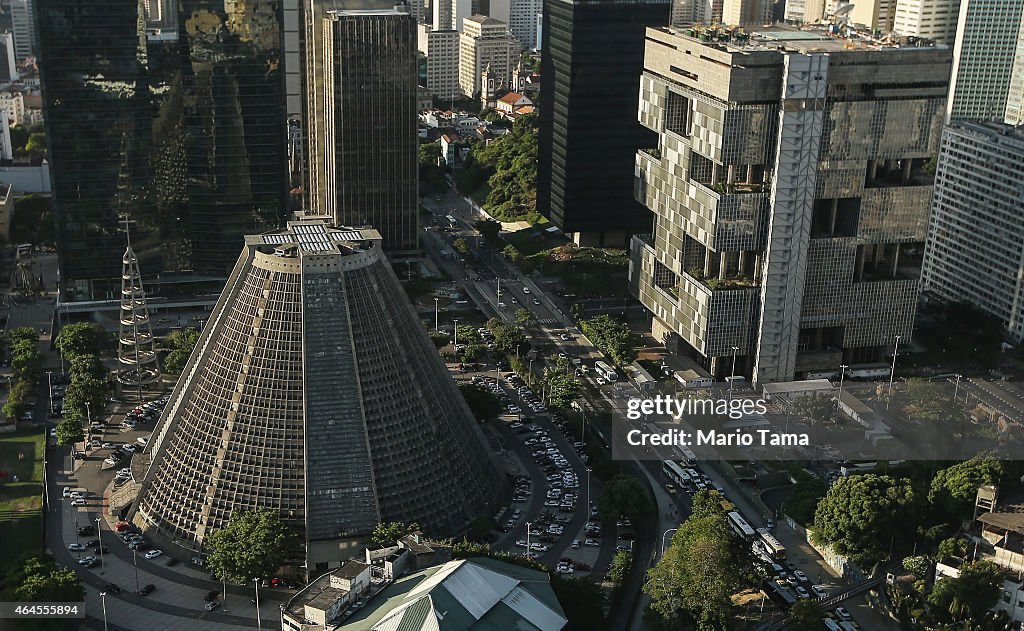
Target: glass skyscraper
{"x":181,"y":130}
{"x":589,"y":134}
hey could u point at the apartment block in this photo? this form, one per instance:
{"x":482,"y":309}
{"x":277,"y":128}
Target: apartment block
{"x":876,"y":15}
{"x":790,"y":190}
{"x":439,"y":51}
{"x":23,"y":28}
{"x":987,"y":50}
{"x":975,"y":250}
{"x":485,"y":42}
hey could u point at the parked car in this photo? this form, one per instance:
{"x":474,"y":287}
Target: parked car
{"x":210,"y":606}
{"x":152,"y":554}
{"x":112,"y":588}
{"x":147,"y":590}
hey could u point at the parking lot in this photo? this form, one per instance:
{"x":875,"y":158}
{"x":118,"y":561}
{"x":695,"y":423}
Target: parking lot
{"x":553,"y":516}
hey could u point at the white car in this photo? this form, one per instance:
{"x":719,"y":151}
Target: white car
{"x":78,"y":502}
{"x":86,"y":560}
{"x":526,"y":290}
{"x":152,"y":554}
{"x":109,"y":446}
{"x":536,"y":301}
{"x":819,"y":591}
{"x":539,"y":547}
{"x":600,"y":381}
{"x":843,"y":614}
{"x":76,"y":547}
{"x":594,"y":543}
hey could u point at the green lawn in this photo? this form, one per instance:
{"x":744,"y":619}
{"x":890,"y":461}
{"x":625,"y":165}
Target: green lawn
{"x":21,"y":455}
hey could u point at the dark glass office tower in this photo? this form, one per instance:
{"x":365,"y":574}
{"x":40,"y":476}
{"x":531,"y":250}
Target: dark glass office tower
{"x":589,"y":134}
{"x":181,"y":129}
{"x":371,"y":167}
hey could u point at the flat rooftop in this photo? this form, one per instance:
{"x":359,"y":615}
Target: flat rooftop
{"x":783,"y":38}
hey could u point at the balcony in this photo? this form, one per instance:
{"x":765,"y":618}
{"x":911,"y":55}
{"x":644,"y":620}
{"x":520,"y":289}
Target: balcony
{"x":729,"y":283}
{"x":738,"y":188}
{"x":653,"y":152}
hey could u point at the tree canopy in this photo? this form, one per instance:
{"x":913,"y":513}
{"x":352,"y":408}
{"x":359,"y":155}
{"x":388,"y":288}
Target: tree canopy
{"x":81,"y":338}
{"x":182,"y":343}
{"x":954,"y":488}
{"x":484,"y":405}
{"x":805,"y":615}
{"x":819,"y":408}
{"x":509,"y":338}
{"x":857,"y":515}
{"x":970,"y":595}
{"x":508,"y":165}
{"x":625,"y":495}
{"x":698,"y":573}
{"x":252,"y":544}
{"x":386,"y":534}
{"x":612,"y":337}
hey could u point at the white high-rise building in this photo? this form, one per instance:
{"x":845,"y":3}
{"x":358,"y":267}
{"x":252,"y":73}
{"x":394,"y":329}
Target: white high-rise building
{"x":988,"y":37}
{"x":521,"y":19}
{"x":449,"y":14}
{"x":876,"y":15}
{"x":1015,"y":97}
{"x":687,"y":12}
{"x":930,"y":19}
{"x":22,"y":24}
{"x":804,"y":11}
{"x":485,"y":41}
{"x":975,"y":247}
{"x":746,"y":12}
{"x":441,"y":49}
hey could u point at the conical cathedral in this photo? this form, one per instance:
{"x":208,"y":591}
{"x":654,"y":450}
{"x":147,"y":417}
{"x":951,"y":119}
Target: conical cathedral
{"x":314,"y":390}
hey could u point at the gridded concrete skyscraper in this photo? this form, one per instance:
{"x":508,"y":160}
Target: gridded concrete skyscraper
{"x":315,"y":391}
{"x":790,"y":184}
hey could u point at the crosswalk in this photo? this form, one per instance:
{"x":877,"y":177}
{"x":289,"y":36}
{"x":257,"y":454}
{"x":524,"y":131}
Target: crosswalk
{"x":547,"y":321}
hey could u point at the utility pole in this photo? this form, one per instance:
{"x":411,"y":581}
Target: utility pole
{"x":842,"y":374}
{"x":892,"y":373}
{"x":732,"y":374}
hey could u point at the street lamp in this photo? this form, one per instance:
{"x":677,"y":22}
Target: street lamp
{"x":842,"y":374}
{"x":99,"y":535}
{"x":956,"y":387}
{"x":892,"y":373}
{"x":588,"y":493}
{"x":732,"y":373}
{"x":103,"y":598}
{"x":436,"y":322}
{"x":663,"y":535}
{"x":455,"y":321}
{"x":259,"y":621}
{"x":529,"y":525}
{"x":49,"y":380}
{"x":135,"y":562}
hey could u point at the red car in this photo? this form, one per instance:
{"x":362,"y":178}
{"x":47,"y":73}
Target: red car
{"x":122,"y":527}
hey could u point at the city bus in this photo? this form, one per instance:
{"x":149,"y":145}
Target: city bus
{"x":689,"y":457}
{"x":606,"y":371}
{"x":774,"y":549}
{"x":740,"y":526}
{"x":676,"y":474}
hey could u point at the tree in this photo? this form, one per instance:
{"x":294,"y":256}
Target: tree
{"x":920,"y":566}
{"x":472,"y":352}
{"x":952,"y":547}
{"x":933,"y":404}
{"x":612,"y":337}
{"x":805,"y":615}
{"x":40,"y":579}
{"x":524,"y":316}
{"x":509,"y":338}
{"x":807,"y":493}
{"x":183,"y":342}
{"x":954,"y":488}
{"x":582,"y":601}
{"x":81,"y":338}
{"x":576,"y":310}
{"x":490,"y":229}
{"x":819,"y":408}
{"x":84,"y":397}
{"x":970,"y":595}
{"x":36,"y":143}
{"x":857,"y":514}
{"x":32,"y":220}
{"x":386,"y":534}
{"x":252,"y":544}
{"x":461,"y":246}
{"x":466,"y":334}
{"x":625,"y":495}
{"x":706,"y":504}
{"x":87,"y":367}
{"x":621,"y":563}
{"x":69,"y":431}
{"x":698,"y":573}
{"x":562,"y":389}
{"x":484,"y":405}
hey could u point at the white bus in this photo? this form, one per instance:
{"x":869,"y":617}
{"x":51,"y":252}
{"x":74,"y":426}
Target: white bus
{"x":606,"y":371}
{"x":740,"y":526}
{"x":676,"y":474}
{"x":689,"y":457}
{"x":772,"y":546}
